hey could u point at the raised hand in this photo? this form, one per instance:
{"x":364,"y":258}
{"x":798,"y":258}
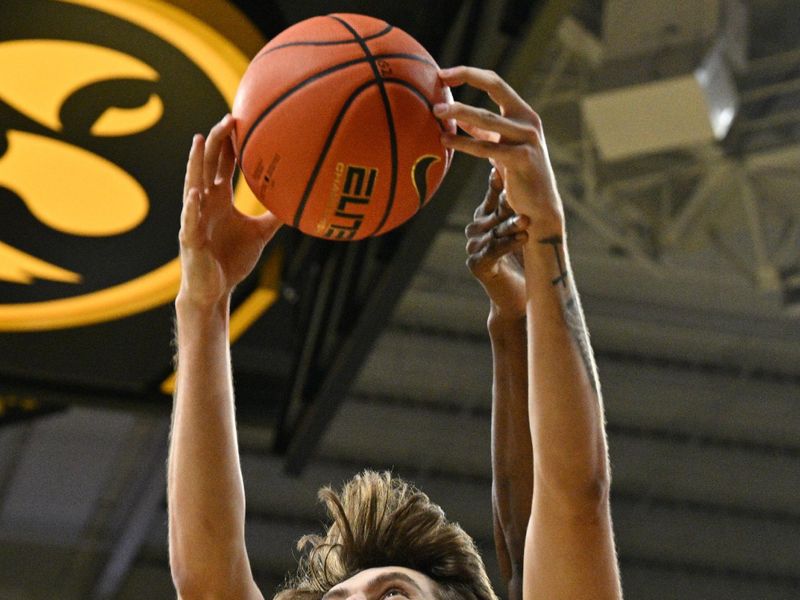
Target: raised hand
{"x":494,"y":241}
{"x":219,"y":245}
{"x":512,"y":140}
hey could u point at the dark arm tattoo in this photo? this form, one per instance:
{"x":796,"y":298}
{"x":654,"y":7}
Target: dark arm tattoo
{"x":573,"y":315}
{"x":556,"y":241}
{"x":577,"y":329}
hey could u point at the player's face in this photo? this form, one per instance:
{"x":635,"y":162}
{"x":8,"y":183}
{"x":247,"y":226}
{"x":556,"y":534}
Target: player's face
{"x":384,"y":583}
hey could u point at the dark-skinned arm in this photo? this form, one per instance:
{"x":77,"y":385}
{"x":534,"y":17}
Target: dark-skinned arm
{"x":495,"y":239}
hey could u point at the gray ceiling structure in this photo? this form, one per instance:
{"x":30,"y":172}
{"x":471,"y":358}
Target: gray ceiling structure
{"x":684,"y":259}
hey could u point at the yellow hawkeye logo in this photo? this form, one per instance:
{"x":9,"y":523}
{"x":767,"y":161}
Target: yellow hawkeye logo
{"x":98,"y":99}
{"x":74,"y":195}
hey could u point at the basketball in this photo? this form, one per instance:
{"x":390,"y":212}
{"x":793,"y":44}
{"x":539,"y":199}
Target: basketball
{"x":334,"y":126}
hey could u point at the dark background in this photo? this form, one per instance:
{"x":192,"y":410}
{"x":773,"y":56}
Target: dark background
{"x":389,"y":367}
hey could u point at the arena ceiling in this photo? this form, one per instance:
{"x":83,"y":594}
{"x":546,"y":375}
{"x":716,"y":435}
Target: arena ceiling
{"x":687,"y":257}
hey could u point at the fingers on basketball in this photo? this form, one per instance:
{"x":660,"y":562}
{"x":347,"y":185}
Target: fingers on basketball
{"x":194,"y":166}
{"x":215,"y":162}
{"x":190,"y":218}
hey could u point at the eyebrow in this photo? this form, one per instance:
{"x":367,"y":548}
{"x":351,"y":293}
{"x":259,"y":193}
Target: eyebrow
{"x":374,"y":583}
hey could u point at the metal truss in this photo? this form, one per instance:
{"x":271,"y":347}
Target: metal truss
{"x":730,"y":203}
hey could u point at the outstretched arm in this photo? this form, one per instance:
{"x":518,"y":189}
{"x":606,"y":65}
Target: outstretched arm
{"x":495,"y":239}
{"x":569,"y":548}
{"x":219,"y":247}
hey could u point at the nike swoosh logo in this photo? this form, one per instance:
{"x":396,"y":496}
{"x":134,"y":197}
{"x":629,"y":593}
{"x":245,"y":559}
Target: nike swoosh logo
{"x":419,"y":175}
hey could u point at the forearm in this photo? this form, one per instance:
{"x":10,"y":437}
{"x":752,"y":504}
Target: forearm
{"x":205,"y":490}
{"x":566,"y":414}
{"x":512,"y":458}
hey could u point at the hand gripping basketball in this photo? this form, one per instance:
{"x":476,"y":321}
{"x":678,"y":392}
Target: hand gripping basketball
{"x":513,"y":140}
{"x":219,"y":245}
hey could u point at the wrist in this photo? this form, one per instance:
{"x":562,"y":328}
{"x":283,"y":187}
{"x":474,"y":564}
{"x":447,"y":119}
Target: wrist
{"x":543,"y":238}
{"x":193,"y":305}
{"x":506,"y":293}
{"x":545,"y":212}
{"x":546,"y":226}
{"x":501,"y":320}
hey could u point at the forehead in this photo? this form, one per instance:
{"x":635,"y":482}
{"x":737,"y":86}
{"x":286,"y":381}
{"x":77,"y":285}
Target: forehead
{"x":362,"y":580}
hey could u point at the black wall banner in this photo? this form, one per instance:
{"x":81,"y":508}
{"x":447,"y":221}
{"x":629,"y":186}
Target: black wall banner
{"x":98,"y":103}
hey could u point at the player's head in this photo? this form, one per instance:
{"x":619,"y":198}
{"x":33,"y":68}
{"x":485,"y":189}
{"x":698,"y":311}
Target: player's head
{"x":387,"y":535}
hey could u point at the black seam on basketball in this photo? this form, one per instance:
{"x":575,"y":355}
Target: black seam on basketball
{"x":416,"y":91}
{"x":399,"y":55}
{"x":389,"y":118}
{"x":298,"y":215}
{"x":315,"y":77}
{"x":416,"y":57}
{"x":330,"y":43}
{"x":291,"y":91}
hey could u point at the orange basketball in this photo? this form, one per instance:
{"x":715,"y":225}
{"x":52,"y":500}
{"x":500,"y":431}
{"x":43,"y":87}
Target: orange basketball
{"x":334,"y":129}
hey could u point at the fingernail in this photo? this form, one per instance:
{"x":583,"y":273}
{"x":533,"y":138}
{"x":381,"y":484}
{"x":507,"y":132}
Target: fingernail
{"x":445,"y":72}
{"x":439,"y":109}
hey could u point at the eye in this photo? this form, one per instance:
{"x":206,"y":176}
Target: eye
{"x":394,"y":593}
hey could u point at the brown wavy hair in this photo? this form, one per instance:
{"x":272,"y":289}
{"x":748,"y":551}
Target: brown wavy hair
{"x":379,"y":520}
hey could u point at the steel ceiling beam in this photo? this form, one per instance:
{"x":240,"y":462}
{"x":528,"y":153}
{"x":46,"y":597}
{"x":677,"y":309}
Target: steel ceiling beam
{"x":371,"y":319}
{"x":138,"y":506}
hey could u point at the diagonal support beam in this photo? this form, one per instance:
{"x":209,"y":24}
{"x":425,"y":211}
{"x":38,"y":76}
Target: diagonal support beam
{"x":140,"y":505}
{"x":373,"y":316}
{"x":703,"y":195}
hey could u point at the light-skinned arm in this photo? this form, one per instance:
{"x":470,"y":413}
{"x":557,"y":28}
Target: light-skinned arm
{"x":569,"y":548}
{"x":219,"y":246}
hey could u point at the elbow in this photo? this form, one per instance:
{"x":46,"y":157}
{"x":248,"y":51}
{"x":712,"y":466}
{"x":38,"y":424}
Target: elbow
{"x":586,"y":484}
{"x":186,"y":586}
{"x":197,"y":586}
{"x":203,"y":580}
{"x":591,"y":482}
{"x":190,"y":583}
{"x":588,"y":502}
{"x":590,"y":496}
{"x":597,"y":490}
{"x":584,"y":493}
{"x":186,"y":577}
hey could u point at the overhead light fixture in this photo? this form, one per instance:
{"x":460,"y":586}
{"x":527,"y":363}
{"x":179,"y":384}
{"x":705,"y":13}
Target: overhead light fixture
{"x":692,"y":103}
